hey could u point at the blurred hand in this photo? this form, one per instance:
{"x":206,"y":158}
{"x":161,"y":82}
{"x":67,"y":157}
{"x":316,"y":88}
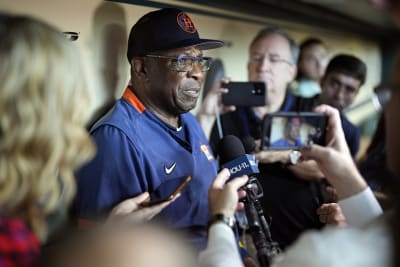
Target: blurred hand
{"x":272,"y":156}
{"x":331,"y":213}
{"x":213,"y":99}
{"x":335,"y":160}
{"x":330,"y":194}
{"x":129,"y":210}
{"x":224,"y":198}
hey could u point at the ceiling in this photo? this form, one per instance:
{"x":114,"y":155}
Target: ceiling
{"x":356,"y":9}
{"x":352,"y":16}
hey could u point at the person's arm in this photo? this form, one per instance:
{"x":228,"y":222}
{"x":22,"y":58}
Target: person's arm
{"x":307,"y":170}
{"x":272,"y":156}
{"x":129,"y":210}
{"x":212,"y":101}
{"x":356,"y":210}
{"x":222,"y":249}
{"x":360,"y":208}
{"x":337,"y":165}
{"x":335,"y":160}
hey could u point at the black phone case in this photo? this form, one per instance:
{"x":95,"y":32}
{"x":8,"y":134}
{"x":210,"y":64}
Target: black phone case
{"x":245,"y":94}
{"x":177,"y":190}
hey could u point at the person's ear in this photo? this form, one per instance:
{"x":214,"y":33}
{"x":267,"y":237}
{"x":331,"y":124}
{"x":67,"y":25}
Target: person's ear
{"x":293,"y":72}
{"x":138,"y":67}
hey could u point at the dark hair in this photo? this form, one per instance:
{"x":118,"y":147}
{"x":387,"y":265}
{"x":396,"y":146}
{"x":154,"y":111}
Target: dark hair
{"x":308,"y":43}
{"x":348,"y":65}
{"x":294,"y":48}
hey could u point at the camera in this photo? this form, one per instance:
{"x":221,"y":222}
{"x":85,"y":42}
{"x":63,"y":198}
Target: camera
{"x":292,"y":130}
{"x":245,"y":94}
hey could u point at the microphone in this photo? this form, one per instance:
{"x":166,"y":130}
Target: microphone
{"x":233,"y":157}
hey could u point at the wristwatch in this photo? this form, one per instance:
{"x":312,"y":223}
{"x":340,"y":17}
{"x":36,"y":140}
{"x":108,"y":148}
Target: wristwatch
{"x":219,"y":217}
{"x":294,"y":157}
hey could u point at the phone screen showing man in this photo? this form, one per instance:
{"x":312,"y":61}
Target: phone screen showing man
{"x":293,"y":130}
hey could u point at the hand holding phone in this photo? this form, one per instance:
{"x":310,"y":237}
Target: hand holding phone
{"x":245,"y":94}
{"x":293,"y":130}
{"x":130,"y":210}
{"x":150,"y":203}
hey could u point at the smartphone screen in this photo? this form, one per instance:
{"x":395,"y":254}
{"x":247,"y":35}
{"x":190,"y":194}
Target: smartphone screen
{"x":246,"y":94}
{"x":169,"y":197}
{"x":286,"y":130}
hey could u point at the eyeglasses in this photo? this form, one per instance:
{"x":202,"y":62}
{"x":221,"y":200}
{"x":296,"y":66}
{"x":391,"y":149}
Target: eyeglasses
{"x":273,"y":59}
{"x":184,"y":63}
{"x":72,"y":36}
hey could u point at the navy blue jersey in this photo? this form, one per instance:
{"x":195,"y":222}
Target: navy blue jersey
{"x":137,"y":152}
{"x":352,"y":135}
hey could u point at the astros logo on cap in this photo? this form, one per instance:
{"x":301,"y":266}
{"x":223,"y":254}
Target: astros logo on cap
{"x":185,"y":23}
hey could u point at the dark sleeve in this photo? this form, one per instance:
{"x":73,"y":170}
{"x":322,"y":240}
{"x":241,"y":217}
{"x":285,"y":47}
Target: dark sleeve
{"x":301,"y":104}
{"x":352,"y":135}
{"x":354,"y":142}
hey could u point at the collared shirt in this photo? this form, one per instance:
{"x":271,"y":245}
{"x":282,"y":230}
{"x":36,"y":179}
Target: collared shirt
{"x":138,"y":152}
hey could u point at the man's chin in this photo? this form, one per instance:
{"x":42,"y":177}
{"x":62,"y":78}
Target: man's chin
{"x":188,"y":107}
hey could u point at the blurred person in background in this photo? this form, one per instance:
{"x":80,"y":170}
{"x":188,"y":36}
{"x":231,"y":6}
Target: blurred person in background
{"x":42,"y":113}
{"x":291,"y":200}
{"x":377,"y":241}
{"x":311,"y":66}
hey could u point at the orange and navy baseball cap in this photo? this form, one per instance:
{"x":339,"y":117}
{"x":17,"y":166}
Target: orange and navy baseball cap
{"x":165,"y":29}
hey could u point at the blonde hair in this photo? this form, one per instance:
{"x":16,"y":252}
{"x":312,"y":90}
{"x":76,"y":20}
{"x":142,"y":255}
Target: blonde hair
{"x":43,"y":97}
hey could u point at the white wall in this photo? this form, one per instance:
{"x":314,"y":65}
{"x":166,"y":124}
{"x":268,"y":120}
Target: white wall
{"x":104,"y":27}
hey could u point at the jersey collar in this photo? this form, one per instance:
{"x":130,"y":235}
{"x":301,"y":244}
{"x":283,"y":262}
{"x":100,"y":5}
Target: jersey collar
{"x":133,"y":100}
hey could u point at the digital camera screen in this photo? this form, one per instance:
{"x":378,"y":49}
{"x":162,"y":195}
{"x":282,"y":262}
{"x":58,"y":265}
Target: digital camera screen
{"x":293,"y":130}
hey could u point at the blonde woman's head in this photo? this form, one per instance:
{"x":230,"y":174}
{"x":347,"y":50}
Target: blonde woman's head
{"x":43,"y":101}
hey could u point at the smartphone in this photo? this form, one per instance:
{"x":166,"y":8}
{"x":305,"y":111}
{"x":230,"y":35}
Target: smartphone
{"x":245,"y":94}
{"x":168,"y":198}
{"x":292,"y":130}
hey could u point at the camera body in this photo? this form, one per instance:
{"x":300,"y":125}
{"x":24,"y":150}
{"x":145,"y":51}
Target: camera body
{"x":245,"y":94}
{"x":293,"y":130}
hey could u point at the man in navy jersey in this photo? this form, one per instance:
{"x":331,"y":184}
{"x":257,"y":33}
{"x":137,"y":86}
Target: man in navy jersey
{"x":149,"y":141}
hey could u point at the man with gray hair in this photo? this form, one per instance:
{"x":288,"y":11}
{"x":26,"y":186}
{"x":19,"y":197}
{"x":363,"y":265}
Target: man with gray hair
{"x":289,"y":199}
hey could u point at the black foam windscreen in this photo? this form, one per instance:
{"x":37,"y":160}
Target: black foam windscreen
{"x":249,"y":144}
{"x":230,"y":148}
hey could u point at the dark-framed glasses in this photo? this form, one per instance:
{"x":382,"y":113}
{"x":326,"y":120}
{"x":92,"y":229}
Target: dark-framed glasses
{"x":185,"y":63}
